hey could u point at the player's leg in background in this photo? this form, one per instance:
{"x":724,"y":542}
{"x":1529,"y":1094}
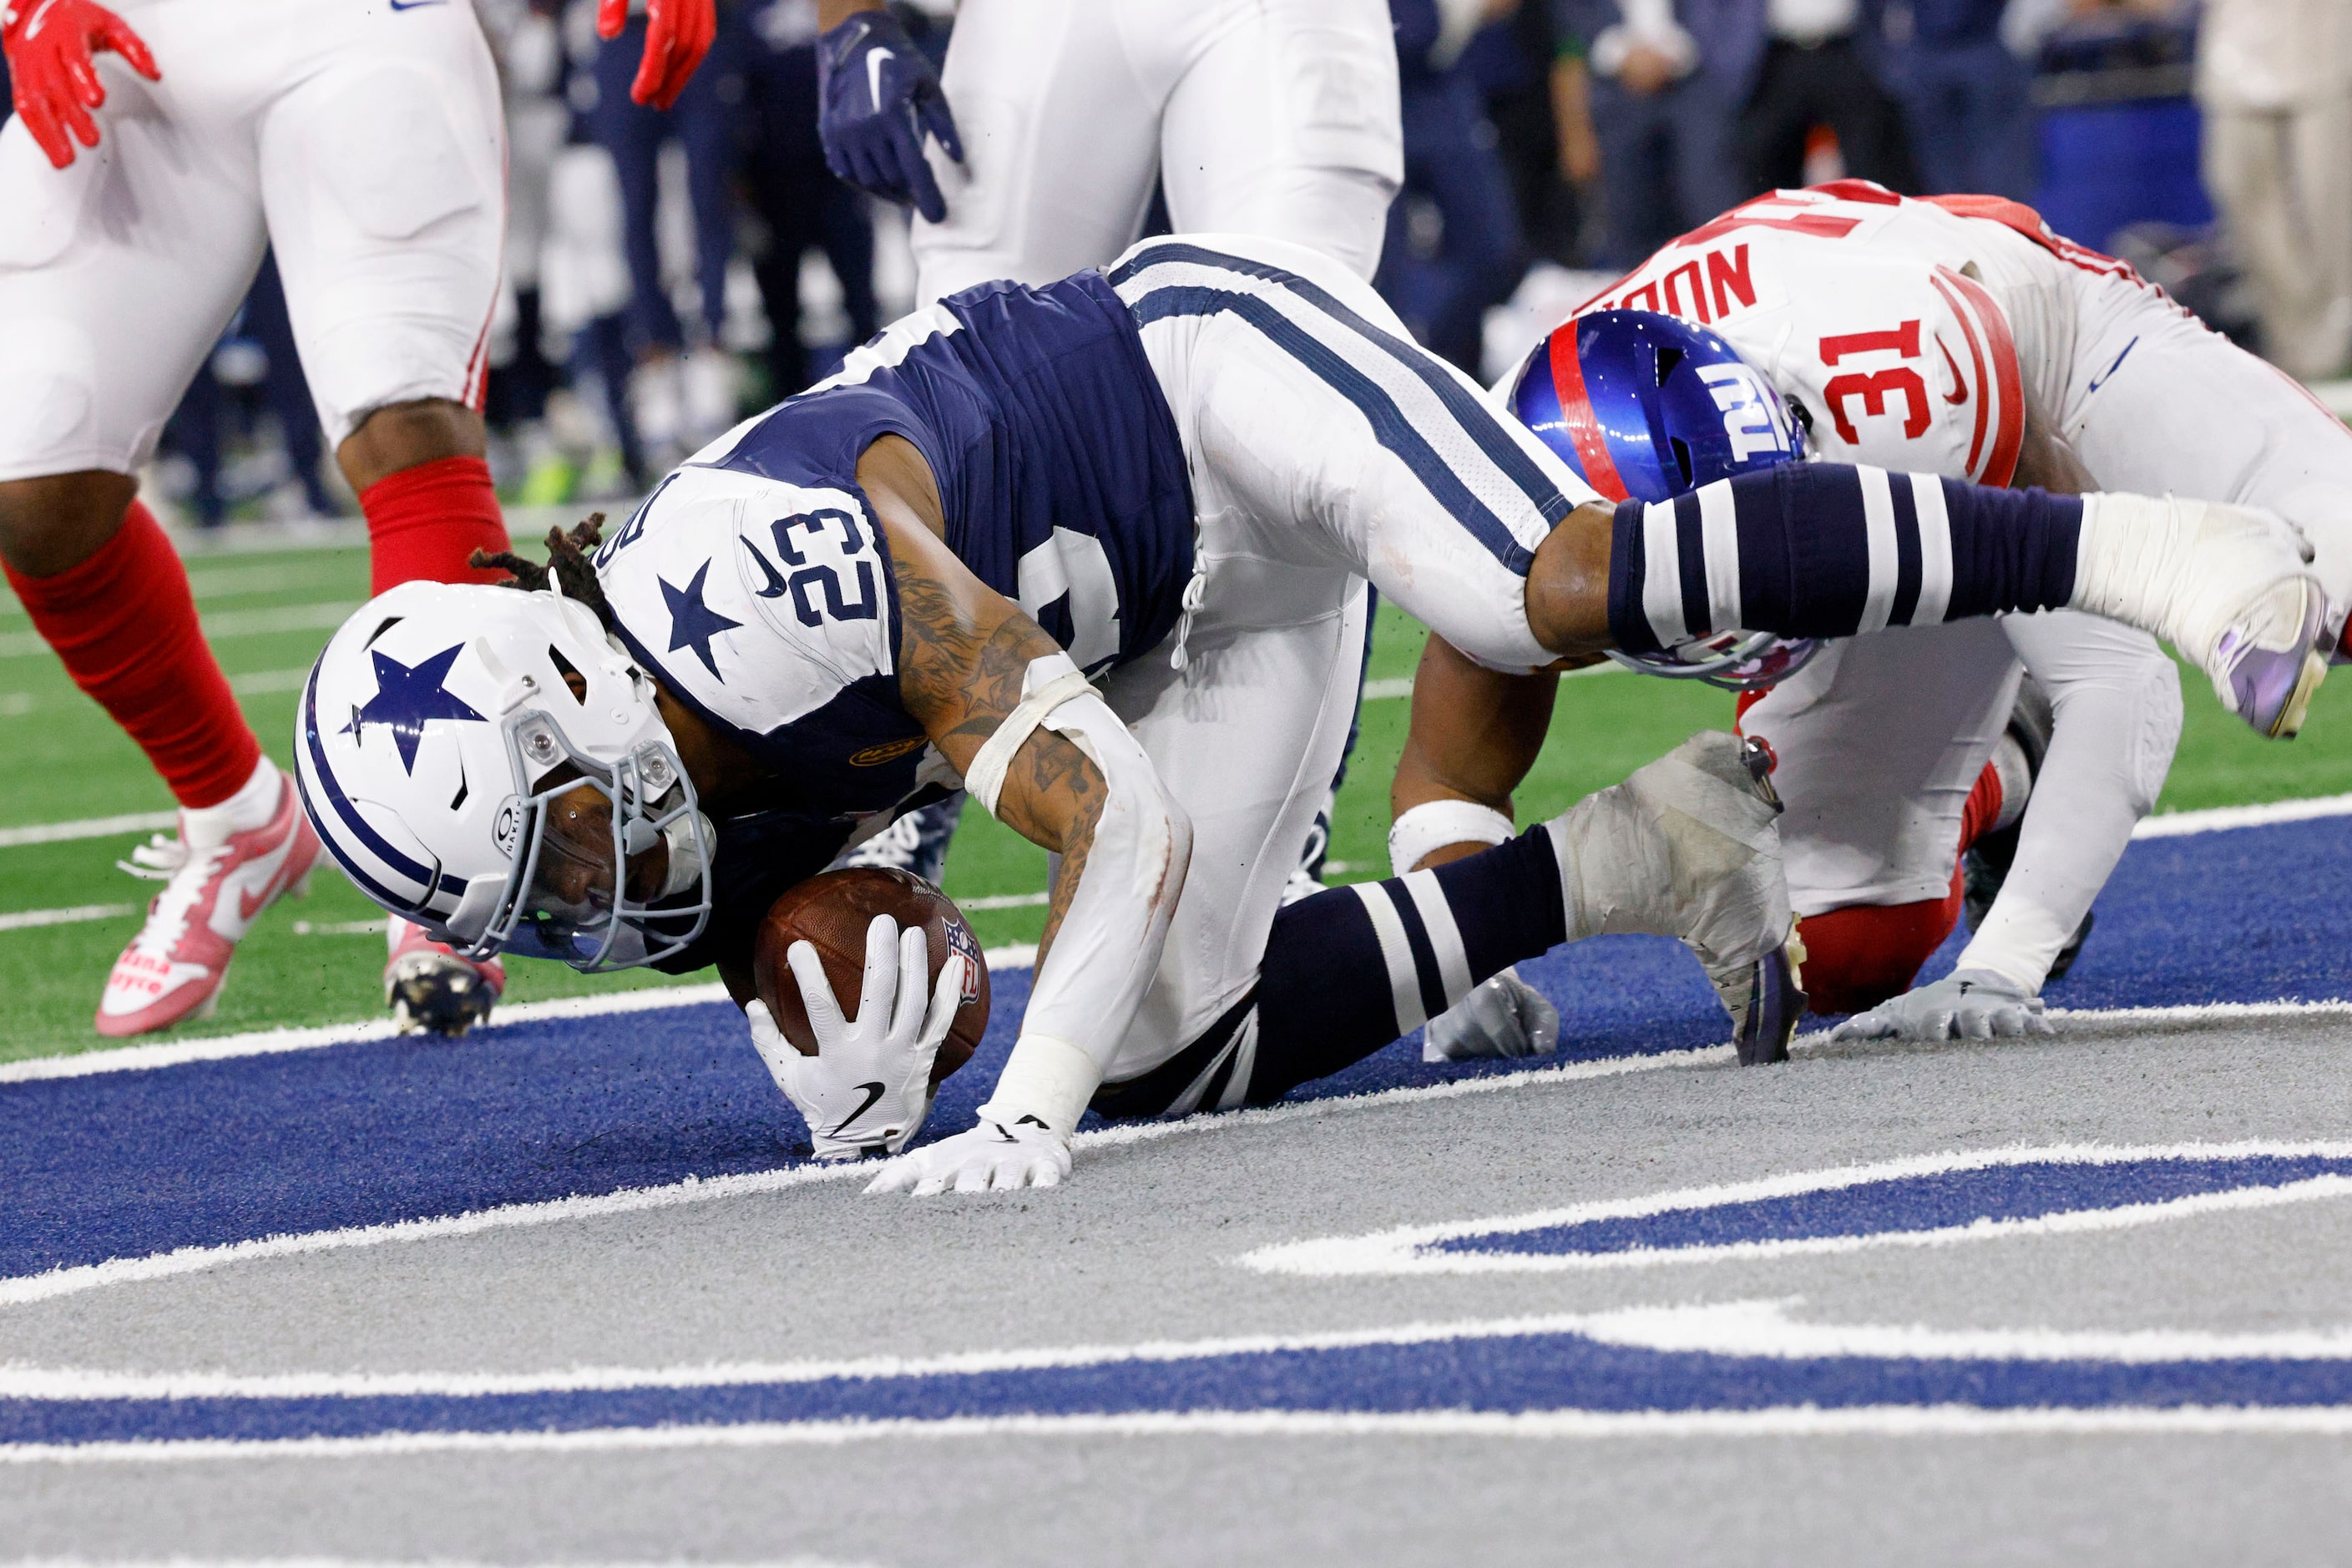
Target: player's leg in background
{"x":382,"y":178}
{"x":101,"y":327}
{"x":1882,"y":743}
{"x":2254,"y":163}
{"x":1283,"y":120}
{"x":1061,"y":138}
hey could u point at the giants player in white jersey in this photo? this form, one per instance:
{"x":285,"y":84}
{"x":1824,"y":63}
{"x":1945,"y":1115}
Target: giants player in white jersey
{"x":362,"y":139}
{"x":1175,"y":477}
{"x":1056,"y":120}
{"x":1959,"y":336}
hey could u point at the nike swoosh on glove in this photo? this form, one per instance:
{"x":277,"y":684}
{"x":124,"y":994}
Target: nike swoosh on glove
{"x":877,"y":97}
{"x":1965,"y":1005}
{"x":869,"y":1085}
{"x":51,"y":46}
{"x":994,"y":1157}
{"x":1502,"y":1016}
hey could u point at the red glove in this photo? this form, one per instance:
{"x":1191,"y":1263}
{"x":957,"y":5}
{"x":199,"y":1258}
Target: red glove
{"x":49,"y":44}
{"x":678,"y":35}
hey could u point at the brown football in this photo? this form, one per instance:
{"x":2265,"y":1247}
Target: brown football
{"x":831,"y":913}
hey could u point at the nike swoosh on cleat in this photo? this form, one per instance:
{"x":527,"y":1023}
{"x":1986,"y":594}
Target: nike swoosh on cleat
{"x":2100,"y":380}
{"x":872,"y":1091}
{"x":873,"y":72}
{"x":1959,"y":393}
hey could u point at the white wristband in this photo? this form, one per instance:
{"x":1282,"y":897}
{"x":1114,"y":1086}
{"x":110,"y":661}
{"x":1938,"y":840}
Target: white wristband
{"x":1435,"y":824}
{"x":1045,"y":1078}
{"x":1047,"y":684}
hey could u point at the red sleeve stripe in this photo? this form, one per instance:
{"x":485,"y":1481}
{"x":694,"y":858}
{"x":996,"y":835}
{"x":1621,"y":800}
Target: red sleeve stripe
{"x":2006,"y":411}
{"x":1576,"y":412}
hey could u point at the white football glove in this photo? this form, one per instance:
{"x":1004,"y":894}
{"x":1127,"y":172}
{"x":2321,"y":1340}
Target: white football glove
{"x":869,"y":1085}
{"x":1502,"y":1016}
{"x":994,"y":1157}
{"x":1965,"y":1005}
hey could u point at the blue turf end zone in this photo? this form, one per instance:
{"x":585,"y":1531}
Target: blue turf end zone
{"x":128,"y":1164}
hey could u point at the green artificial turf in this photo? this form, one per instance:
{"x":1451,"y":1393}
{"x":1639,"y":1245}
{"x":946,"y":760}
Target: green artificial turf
{"x":62,"y":760}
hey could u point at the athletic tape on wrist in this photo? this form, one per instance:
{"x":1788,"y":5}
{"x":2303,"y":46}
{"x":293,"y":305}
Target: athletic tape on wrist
{"x":1045,"y":1078}
{"x":1435,"y":824}
{"x":1049,"y":682}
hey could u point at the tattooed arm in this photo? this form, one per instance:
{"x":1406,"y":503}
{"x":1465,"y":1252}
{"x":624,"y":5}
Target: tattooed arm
{"x":1077,"y":783}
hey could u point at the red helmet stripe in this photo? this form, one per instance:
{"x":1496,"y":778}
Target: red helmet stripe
{"x":1576,"y":411}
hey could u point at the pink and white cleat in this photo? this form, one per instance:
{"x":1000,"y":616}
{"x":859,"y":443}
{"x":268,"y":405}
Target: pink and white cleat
{"x":430,"y":985}
{"x":173,"y":968}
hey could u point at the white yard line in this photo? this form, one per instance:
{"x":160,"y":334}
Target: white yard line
{"x":230,"y":624}
{"x":88,"y":827}
{"x":29,"y":920}
{"x":2218,"y":819}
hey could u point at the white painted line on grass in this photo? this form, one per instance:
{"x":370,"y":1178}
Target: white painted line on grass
{"x":88,"y":827}
{"x":27,"y":920}
{"x":229,"y":624}
{"x":1784,"y":1421}
{"x":270,"y":1042}
{"x":261,"y":682}
{"x":1006,"y":902}
{"x":2220,"y":818}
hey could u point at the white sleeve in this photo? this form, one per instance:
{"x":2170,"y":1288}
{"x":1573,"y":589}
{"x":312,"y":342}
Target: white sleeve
{"x":1108,"y":949}
{"x":2116,"y":703}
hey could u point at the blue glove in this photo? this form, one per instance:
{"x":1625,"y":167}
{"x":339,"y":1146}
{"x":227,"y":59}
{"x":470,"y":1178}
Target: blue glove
{"x":879,"y":95}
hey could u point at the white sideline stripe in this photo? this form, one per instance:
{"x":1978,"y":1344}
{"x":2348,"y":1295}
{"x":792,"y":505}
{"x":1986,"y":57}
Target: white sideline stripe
{"x":231,"y":624}
{"x":26,"y":919}
{"x":1006,"y":902}
{"x":1784,"y":1421}
{"x":57,"y":1282}
{"x":1746,"y":1328}
{"x":1403,"y":1249}
{"x":2220,"y":818}
{"x":1394,"y":686}
{"x":88,"y":827}
{"x":269,"y":1042}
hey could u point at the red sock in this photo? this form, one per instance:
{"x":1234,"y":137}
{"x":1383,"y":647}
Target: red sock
{"x":125,"y":625}
{"x":1983,"y":808}
{"x":423,"y":523}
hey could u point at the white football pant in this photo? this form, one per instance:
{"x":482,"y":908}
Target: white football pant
{"x":365,"y":141}
{"x":1266,"y":117}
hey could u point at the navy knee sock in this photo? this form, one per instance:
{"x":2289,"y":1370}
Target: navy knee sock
{"x":1350,"y":969}
{"x":1825,"y":550}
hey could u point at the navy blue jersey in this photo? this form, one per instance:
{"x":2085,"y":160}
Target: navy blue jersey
{"x":756,"y":584}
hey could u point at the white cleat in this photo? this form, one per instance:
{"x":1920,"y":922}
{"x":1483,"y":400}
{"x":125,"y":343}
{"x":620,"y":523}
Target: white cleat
{"x":2227,"y":585}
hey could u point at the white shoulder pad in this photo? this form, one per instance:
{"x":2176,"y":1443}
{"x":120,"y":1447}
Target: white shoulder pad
{"x":762,"y":601}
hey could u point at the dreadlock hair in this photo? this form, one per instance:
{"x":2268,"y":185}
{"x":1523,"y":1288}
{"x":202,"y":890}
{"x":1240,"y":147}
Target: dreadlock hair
{"x":567,"y":566}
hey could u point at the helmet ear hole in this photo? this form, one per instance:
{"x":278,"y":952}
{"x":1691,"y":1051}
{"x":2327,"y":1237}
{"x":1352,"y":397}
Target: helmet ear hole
{"x":1668,"y":358}
{"x":575,"y":682}
{"x":1683,"y":460}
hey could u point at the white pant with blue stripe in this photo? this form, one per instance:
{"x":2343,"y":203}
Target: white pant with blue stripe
{"x":1325,"y":449}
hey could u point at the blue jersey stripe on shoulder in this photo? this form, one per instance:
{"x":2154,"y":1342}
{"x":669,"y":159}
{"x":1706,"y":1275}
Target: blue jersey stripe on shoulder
{"x":1478,"y":421}
{"x":1389,"y":425}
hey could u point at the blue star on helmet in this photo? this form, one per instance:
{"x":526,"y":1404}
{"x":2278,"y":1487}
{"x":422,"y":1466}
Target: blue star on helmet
{"x":408,"y":698}
{"x":692,"y":622}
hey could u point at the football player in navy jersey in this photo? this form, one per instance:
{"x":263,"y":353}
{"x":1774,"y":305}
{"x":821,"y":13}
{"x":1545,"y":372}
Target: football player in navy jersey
{"x":1097,"y":552}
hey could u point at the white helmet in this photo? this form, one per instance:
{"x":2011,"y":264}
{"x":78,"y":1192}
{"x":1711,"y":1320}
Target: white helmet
{"x":489,"y":763}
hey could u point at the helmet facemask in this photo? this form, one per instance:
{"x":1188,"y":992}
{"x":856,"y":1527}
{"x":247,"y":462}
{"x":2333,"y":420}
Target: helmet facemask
{"x":614,"y":860}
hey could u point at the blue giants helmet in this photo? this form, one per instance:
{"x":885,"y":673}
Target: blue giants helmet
{"x":1646,"y":406}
